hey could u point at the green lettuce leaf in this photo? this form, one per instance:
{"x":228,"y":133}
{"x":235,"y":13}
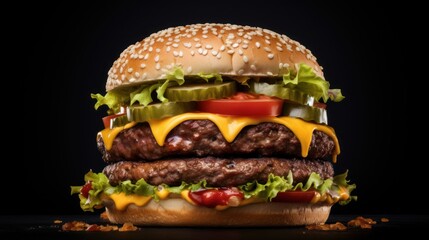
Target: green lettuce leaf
{"x":217,"y":77}
{"x":307,"y":81}
{"x":266,"y":191}
{"x":113,"y":99}
{"x":143,"y":95}
{"x":335,"y":95}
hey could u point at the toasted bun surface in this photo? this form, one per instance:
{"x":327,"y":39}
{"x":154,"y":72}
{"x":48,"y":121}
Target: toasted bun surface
{"x":224,"y":49}
{"x":178,"y":212}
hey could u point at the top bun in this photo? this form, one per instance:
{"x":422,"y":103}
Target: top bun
{"x":224,"y":49}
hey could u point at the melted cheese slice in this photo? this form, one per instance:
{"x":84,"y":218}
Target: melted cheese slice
{"x":122,"y":200}
{"x":230,"y":127}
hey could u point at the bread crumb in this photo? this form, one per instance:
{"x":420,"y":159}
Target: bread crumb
{"x":127,"y":227}
{"x":328,"y":227}
{"x":58,"y":221}
{"x":364,"y":223}
{"x":385,"y":220}
{"x":104,"y":216}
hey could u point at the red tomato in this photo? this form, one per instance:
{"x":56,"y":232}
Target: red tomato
{"x":294,"y":196}
{"x":243,"y":104}
{"x":214,"y":197}
{"x":106,"y":119}
{"x":85,"y":189}
{"x":319,"y":105}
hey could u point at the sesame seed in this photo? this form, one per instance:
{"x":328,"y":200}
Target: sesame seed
{"x":245,"y":59}
{"x":130,"y":70}
{"x":176,"y":39}
{"x":157,"y":58}
{"x":280,"y":65}
{"x":168,"y":49}
{"x":205,"y":52}
{"x":240,"y":34}
{"x":240,"y":52}
{"x":188,"y":35}
{"x":218,"y":56}
{"x":132,"y":79}
{"x":175,"y":53}
{"x":267,"y":42}
{"x":168,"y":43}
{"x":150,"y":49}
{"x":192,"y":52}
{"x":121,"y":70}
{"x":245,"y":46}
{"x":180,"y":54}
{"x":222,"y":48}
{"x":267,"y":49}
{"x":198,"y":45}
{"x":230,"y":51}
{"x":278,"y":44}
{"x":270,"y":56}
{"x":208,"y":46}
{"x":146,"y":56}
{"x":270,"y":73}
{"x":144,"y":75}
{"x":241,"y":71}
{"x":140,"y":56}
{"x":235,"y":45}
{"x":285,"y":65}
{"x":204,"y":36}
{"x":200,"y":50}
{"x":258,"y":45}
{"x":196,"y":39}
{"x":253,"y":67}
{"x":187,"y":44}
{"x":280,"y":49}
{"x":214,"y":52}
{"x":142,"y":65}
{"x":189,"y":69}
{"x":230,"y":36}
{"x":175,"y":45}
{"x":136,"y":74}
{"x":123,"y":77}
{"x":158,"y":66}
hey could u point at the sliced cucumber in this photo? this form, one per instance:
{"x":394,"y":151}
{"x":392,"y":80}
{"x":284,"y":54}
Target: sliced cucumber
{"x":278,"y":90}
{"x":200,"y":92}
{"x":307,"y":113}
{"x":158,"y":110}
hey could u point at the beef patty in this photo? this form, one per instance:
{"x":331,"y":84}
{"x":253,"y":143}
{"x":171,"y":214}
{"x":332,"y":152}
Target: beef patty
{"x":218,"y":172}
{"x":200,"y":138}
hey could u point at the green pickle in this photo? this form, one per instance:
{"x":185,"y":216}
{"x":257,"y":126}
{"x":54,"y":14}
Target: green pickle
{"x":200,"y":92}
{"x":158,"y":110}
{"x":119,"y":121}
{"x":278,"y":90}
{"x":304,"y":112}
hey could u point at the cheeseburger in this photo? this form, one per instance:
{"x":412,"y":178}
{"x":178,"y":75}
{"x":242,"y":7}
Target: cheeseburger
{"x":216,"y":125}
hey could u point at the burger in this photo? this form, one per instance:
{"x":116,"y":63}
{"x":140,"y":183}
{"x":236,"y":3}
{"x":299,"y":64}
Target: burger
{"x":216,"y":125}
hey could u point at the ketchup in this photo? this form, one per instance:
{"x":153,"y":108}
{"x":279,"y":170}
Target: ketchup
{"x":85,"y":189}
{"x":214,"y":197}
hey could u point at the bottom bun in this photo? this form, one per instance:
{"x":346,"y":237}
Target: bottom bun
{"x":178,"y":212}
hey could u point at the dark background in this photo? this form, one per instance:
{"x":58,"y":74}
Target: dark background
{"x":64,"y":53}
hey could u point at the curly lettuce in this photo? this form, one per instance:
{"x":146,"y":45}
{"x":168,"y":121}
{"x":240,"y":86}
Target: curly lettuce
{"x":307,"y":81}
{"x":266,"y":191}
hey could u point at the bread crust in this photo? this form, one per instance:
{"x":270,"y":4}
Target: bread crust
{"x":178,"y":212}
{"x":224,"y":49}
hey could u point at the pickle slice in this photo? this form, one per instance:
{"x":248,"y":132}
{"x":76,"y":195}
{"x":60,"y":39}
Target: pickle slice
{"x":158,"y":110}
{"x":304,"y":112}
{"x":119,"y":121}
{"x":278,"y":90}
{"x":200,"y":92}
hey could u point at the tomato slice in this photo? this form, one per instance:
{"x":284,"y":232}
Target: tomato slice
{"x":85,"y":189}
{"x":243,"y":104}
{"x":107,"y":119}
{"x":214,"y":197}
{"x":319,"y":105}
{"x":295,"y":196}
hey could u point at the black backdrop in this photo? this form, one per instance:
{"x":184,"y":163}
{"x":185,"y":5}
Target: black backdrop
{"x":69,"y":49}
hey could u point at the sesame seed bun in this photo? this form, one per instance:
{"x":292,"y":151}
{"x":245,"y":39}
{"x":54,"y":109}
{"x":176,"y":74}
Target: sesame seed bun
{"x":224,"y":49}
{"x":178,"y":212}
